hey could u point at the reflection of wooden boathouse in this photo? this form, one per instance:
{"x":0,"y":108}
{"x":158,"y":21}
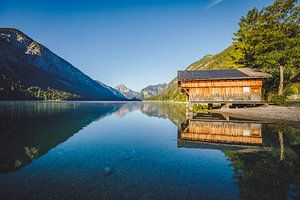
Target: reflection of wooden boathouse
{"x":239,"y":86}
{"x":226,"y":132}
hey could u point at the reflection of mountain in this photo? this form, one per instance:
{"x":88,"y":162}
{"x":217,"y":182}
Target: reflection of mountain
{"x":29,"y":130}
{"x":173,"y":111}
{"x":127,"y":108}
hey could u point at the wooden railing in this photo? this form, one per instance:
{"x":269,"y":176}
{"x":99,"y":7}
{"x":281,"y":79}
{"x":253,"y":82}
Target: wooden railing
{"x":225,"y":97}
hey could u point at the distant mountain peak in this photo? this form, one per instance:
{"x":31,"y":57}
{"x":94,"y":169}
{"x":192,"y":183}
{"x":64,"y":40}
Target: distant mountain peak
{"x":152,"y":90}
{"x":128,"y":93}
{"x":122,"y":87}
{"x":147,"y":92}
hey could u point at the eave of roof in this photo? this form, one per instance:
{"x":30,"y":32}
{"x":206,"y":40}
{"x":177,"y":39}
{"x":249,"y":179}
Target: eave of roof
{"x":229,"y":78}
{"x":225,"y":74}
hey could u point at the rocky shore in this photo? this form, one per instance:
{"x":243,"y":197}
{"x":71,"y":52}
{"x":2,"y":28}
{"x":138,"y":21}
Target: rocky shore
{"x":268,"y":113}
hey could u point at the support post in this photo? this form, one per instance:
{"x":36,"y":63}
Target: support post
{"x":225,"y":105}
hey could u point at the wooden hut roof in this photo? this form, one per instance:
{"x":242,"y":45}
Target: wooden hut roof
{"x":239,"y":73}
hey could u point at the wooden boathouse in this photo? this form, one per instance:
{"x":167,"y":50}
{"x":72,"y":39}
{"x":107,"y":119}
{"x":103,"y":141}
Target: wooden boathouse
{"x":236,"y":86}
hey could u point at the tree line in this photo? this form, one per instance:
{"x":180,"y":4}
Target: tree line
{"x":13,"y":90}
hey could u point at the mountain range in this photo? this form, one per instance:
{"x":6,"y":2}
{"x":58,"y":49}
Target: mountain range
{"x":29,"y":70}
{"x":147,"y":92}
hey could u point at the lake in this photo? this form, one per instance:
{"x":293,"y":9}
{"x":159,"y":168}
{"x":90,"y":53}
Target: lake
{"x":98,"y":150}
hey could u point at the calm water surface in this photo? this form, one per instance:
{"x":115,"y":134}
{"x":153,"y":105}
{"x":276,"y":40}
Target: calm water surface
{"x":96,"y":150}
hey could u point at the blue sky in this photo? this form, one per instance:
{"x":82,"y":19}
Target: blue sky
{"x":134,"y":42}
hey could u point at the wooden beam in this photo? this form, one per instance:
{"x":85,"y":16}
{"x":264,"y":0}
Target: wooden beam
{"x":186,"y":91}
{"x":186,"y":128}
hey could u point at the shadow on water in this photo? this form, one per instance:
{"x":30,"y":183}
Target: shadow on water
{"x":29,"y":130}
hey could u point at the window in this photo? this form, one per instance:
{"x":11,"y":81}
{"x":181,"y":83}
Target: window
{"x":246,"y":133}
{"x":246,"y":89}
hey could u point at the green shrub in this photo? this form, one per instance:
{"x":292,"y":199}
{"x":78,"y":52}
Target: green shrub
{"x":278,"y":99}
{"x":290,"y":90}
{"x":199,"y":107}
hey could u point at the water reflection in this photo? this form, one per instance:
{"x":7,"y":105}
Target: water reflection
{"x":31,"y":129}
{"x":265,"y":157}
{"x":226,"y":132}
{"x":273,"y":173}
{"x":143,"y":156}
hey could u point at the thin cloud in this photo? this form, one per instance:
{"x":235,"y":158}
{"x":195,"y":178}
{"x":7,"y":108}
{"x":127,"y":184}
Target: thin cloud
{"x":214,"y":3}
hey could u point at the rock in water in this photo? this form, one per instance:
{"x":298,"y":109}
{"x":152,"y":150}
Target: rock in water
{"x":126,"y":157}
{"x":107,"y":171}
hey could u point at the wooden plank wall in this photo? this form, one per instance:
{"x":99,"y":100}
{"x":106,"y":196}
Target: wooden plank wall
{"x":221,"y":90}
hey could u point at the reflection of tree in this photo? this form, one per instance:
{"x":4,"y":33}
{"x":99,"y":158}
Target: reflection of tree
{"x":271,"y":174}
{"x":31,"y":152}
{"x":280,"y":138}
{"x":29,"y":130}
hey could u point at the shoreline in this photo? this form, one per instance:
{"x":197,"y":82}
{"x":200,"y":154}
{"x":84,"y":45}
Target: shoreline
{"x":269,"y":113}
{"x":278,"y":114}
